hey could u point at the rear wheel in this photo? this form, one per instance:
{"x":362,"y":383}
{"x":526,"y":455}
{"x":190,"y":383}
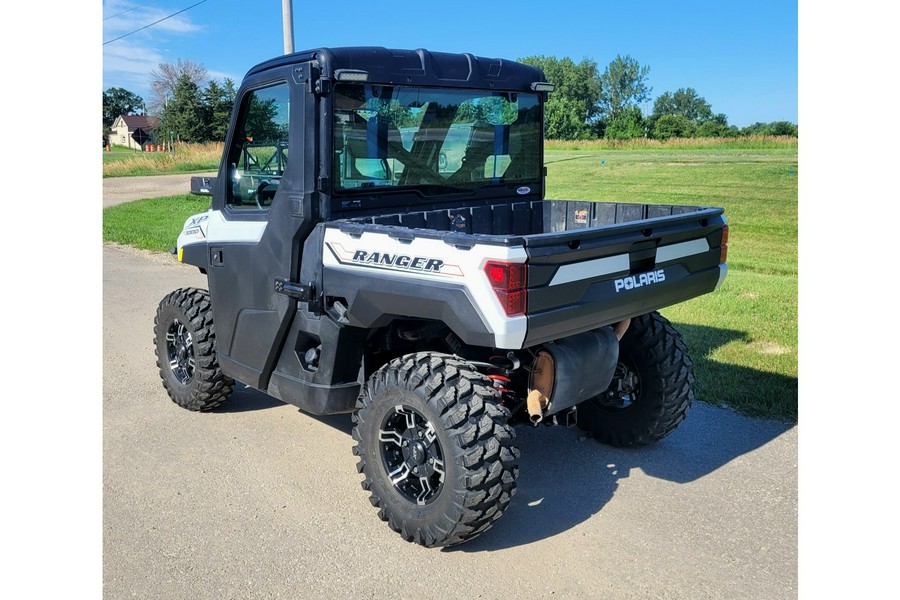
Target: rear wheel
{"x":185,"y":346}
{"x":435,"y":448}
{"x":651,"y":391}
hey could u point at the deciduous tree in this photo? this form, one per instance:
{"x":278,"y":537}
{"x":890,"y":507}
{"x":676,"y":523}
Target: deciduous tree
{"x":573,"y":104}
{"x":119,"y":101}
{"x":716,"y":128}
{"x":782,"y":128}
{"x":629,"y":124}
{"x":164,"y":80}
{"x":685,"y":102}
{"x":622,"y":84}
{"x":669,"y":126}
{"x":773,"y":128}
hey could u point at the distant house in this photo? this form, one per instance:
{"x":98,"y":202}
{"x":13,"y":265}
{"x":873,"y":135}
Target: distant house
{"x":124,"y":126}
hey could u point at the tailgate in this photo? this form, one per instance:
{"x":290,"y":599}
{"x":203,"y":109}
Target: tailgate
{"x":580,"y":280}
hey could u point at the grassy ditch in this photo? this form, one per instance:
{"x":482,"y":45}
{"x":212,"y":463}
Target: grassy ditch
{"x":743,"y":337}
{"x":187,"y":158}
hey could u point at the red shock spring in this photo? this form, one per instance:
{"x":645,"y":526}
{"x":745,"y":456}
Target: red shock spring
{"x":500,"y":382}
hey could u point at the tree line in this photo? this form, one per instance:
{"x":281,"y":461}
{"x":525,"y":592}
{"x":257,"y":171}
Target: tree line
{"x":586,"y":104}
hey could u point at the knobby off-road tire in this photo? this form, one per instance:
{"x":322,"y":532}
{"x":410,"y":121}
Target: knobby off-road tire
{"x":437,"y":415}
{"x":185,"y":346}
{"x":651,"y":392}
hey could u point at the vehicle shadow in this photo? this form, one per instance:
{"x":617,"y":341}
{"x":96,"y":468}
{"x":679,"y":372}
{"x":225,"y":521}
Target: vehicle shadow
{"x":246,"y":399}
{"x":566,"y":477}
{"x":342,"y":422}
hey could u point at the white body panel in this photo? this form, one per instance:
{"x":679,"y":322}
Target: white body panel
{"x":213,"y":228}
{"x":463,"y":267}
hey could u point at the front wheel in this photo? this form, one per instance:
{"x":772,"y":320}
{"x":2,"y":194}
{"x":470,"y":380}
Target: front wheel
{"x":651,"y":391}
{"x":185,"y":346}
{"x":435,"y":448}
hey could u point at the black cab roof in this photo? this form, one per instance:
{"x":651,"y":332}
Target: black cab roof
{"x":415,"y":67}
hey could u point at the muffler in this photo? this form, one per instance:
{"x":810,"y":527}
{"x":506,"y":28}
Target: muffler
{"x":569,"y":371}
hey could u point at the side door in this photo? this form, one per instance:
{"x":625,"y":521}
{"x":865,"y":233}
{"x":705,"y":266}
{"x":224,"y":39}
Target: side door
{"x":260,"y":225}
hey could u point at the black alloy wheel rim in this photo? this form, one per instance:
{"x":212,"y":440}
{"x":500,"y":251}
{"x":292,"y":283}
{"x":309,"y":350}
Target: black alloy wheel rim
{"x":180,"y":351}
{"x":411,"y":455}
{"x":624,"y":390}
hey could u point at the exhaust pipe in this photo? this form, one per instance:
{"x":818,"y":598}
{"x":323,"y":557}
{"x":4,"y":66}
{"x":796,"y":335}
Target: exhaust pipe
{"x":536,"y":403}
{"x":571,"y":370}
{"x":540,"y":386}
{"x":620,"y":328}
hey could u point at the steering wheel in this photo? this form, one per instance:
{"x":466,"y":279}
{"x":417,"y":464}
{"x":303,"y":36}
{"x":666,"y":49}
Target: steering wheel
{"x":259,"y":191}
{"x":254,"y":195}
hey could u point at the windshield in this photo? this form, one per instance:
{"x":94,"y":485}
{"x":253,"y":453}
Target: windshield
{"x":435,"y":140}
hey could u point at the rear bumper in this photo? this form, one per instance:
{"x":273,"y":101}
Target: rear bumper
{"x":608,"y":301}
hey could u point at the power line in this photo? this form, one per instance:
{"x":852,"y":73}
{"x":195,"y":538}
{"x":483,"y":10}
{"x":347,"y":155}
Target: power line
{"x":130,"y":9}
{"x":154,"y":22}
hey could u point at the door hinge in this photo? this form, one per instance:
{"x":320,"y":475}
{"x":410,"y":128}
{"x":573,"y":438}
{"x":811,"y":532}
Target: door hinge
{"x":303,"y":293}
{"x":323,"y":86}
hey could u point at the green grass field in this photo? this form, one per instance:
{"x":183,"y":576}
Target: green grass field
{"x":120,"y":154}
{"x":152,"y":224}
{"x":743,"y":337}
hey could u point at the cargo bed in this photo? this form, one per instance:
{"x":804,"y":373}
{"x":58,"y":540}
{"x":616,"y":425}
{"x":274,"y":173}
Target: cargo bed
{"x":589,"y":264}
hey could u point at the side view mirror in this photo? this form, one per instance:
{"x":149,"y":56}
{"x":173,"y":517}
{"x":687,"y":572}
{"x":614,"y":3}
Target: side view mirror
{"x":202,"y":186}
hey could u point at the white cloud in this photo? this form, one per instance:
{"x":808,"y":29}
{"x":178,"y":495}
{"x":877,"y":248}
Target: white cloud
{"x":130,"y":57}
{"x":120,"y":22}
{"x":127,"y":62}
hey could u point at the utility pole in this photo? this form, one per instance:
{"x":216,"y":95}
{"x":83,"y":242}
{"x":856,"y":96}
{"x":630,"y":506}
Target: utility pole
{"x":287,"y":17}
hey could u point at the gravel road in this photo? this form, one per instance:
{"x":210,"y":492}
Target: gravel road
{"x":259,"y":500}
{"x":125,"y":189}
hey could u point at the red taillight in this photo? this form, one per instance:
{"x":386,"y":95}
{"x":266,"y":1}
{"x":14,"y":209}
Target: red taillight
{"x":723,"y":253}
{"x":513,"y":302}
{"x":508,"y":281}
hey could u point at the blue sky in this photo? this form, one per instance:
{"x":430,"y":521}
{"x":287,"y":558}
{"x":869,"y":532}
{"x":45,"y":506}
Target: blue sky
{"x":740,"y":56}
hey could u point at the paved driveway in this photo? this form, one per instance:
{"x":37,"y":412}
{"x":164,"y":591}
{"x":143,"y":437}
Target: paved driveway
{"x":258,"y":500}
